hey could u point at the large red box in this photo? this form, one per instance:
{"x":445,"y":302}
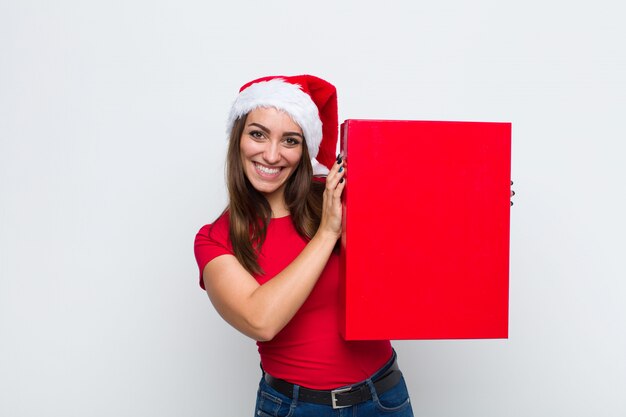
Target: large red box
{"x":425,"y":245}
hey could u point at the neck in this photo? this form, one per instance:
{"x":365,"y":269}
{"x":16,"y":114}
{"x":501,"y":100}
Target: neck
{"x":281,"y":211}
{"x":277,"y":204}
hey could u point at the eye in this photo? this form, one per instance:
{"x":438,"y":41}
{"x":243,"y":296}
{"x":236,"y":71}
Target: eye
{"x":256,"y":134}
{"x":291,"y":141}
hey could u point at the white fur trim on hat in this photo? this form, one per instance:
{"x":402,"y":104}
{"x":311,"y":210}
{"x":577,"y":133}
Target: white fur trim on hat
{"x":318,"y":169}
{"x":283,"y":96}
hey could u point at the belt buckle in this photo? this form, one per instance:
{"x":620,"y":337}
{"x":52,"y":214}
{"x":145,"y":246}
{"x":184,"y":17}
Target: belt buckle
{"x":333,"y":397}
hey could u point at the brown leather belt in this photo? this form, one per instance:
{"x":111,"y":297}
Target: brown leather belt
{"x":340,"y":397}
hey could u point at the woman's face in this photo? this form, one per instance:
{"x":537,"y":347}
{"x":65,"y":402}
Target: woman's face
{"x":271,"y":148}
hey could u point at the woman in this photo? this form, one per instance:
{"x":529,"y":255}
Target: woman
{"x":269,"y":263}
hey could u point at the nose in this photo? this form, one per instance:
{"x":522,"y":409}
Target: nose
{"x":271,"y":154}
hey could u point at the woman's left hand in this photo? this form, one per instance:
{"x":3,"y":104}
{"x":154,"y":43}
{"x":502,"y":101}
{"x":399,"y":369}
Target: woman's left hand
{"x":512,"y":193}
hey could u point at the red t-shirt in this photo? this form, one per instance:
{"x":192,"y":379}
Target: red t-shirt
{"x":309,"y":350}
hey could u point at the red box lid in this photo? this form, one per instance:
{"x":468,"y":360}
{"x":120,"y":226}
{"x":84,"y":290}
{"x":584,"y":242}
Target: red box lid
{"x":425,"y":245}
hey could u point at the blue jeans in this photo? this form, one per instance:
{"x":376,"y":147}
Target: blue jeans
{"x":392,"y":403}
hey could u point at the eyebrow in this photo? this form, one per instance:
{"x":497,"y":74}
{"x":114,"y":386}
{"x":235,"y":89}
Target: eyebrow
{"x":266,"y":130}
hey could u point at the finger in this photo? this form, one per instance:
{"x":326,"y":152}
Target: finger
{"x":337,"y":179}
{"x":338,"y":163}
{"x":334,"y":176}
{"x":333,"y":198}
{"x":335,"y":203}
{"x":340,"y":177}
{"x":339,"y":189}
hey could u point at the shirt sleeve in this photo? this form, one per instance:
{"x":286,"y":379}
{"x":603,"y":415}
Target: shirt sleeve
{"x":211,"y":241}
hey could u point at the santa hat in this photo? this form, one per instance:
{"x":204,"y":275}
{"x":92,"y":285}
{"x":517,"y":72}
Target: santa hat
{"x":310,"y":101}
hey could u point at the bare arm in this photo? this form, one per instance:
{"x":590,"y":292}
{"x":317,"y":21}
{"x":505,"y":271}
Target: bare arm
{"x":261,"y":311}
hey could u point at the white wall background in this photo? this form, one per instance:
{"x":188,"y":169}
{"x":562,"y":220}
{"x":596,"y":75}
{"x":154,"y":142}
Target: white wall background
{"x":112,"y":118}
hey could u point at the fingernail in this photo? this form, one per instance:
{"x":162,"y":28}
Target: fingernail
{"x":340,"y":169}
{"x":511,"y":203}
{"x":341,"y":180}
{"x":512,"y":193}
{"x":339,"y":159}
{"x":511,"y":182}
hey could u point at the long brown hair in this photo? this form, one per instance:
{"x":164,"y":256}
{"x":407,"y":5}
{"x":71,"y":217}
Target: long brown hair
{"x":249,"y":210}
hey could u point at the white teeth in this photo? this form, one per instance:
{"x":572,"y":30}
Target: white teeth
{"x":266,"y":170}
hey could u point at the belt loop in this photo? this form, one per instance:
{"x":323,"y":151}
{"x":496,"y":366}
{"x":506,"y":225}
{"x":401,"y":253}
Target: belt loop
{"x":296,"y":393}
{"x":372,"y":388}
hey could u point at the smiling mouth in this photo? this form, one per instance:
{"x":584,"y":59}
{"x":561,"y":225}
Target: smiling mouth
{"x":266,"y":170}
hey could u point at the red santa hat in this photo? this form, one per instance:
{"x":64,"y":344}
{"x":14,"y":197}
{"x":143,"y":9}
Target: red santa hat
{"x":310,"y":101}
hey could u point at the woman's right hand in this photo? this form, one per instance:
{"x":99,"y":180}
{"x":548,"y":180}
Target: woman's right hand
{"x":332,"y":207}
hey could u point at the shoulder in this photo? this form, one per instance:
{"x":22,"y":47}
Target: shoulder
{"x":218,"y":230}
{"x":213,"y":237}
{"x":212,"y":240}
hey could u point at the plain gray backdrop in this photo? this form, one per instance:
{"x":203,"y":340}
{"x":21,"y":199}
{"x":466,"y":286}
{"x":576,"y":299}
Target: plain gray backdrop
{"x":112,"y":141}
